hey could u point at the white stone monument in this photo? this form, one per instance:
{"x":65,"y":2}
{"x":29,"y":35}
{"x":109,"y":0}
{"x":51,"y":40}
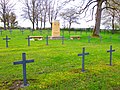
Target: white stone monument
{"x":55,"y":30}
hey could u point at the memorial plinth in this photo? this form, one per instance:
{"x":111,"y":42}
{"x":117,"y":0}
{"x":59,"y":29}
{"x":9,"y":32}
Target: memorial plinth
{"x":55,"y":30}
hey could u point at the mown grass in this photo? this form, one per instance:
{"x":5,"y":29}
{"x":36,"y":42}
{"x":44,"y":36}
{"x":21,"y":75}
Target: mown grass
{"x":57,"y":66}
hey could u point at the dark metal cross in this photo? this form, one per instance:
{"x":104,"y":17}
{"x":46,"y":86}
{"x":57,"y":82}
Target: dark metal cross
{"x":100,"y":38}
{"x":31,"y":31}
{"x":81,"y":31}
{"x":63,"y":32}
{"x":119,"y":37}
{"x":69,"y":31}
{"x":75,"y":31}
{"x":86,"y":31}
{"x":10,"y":31}
{"x":62,"y":40}
{"x":47,"y":40}
{"x":89,"y":39}
{"x":22,"y":31}
{"x":110,"y":54}
{"x":40,"y":31}
{"x":28,"y":40}
{"x":1,"y":32}
{"x":7,"y":39}
{"x":24,"y":61}
{"x":83,"y":58}
{"x":48,"y":31}
{"x":110,"y":38}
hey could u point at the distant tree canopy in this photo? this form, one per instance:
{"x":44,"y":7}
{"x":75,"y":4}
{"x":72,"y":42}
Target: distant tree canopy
{"x":42,"y":11}
{"x":10,"y":20}
{"x":111,"y":19}
{"x":100,"y":5}
{"x":6,"y":7}
{"x":70,"y":15}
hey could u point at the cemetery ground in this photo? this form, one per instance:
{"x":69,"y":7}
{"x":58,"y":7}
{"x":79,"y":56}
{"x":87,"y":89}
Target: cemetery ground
{"x":57,"y":66}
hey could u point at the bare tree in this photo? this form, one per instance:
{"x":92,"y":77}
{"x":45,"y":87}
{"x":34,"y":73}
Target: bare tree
{"x":11,"y":20}
{"x":39,"y":13}
{"x":70,"y":15}
{"x":55,"y":7}
{"x":30,"y":11}
{"x":53,"y":10}
{"x":42,"y":11}
{"x":110,"y":18}
{"x":45,"y":12}
{"x":5,"y":8}
{"x":100,"y":5}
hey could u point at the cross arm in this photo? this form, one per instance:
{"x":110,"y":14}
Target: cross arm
{"x":19,"y":62}
{"x":28,"y":38}
{"x":80,"y":54}
{"x":29,"y":61}
{"x":86,"y":53}
{"x":83,"y":54}
{"x":110,"y":50}
{"x":5,"y":38}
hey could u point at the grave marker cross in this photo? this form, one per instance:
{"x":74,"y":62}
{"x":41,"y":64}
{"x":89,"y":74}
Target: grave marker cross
{"x":100,"y":38}
{"x":62,"y":40}
{"x":1,"y":32}
{"x":22,"y":31}
{"x":118,"y":37}
{"x":40,"y":31}
{"x":31,"y":31}
{"x":83,"y":57}
{"x":89,"y":39}
{"x":63,"y":32}
{"x":47,"y":40}
{"x":10,"y":31}
{"x":86,"y":30}
{"x":110,"y":38}
{"x":28,"y":40}
{"x":110,"y":54}
{"x":24,"y":61}
{"x":48,"y":31}
{"x":7,"y":39}
{"x":81,"y":31}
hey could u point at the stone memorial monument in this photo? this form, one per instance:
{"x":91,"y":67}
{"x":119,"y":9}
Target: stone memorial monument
{"x":55,"y":30}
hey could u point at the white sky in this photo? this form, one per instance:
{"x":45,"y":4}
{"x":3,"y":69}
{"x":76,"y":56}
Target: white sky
{"x":27,"y":23}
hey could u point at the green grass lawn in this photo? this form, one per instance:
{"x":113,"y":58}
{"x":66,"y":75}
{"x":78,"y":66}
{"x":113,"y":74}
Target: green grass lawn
{"x":57,"y":66}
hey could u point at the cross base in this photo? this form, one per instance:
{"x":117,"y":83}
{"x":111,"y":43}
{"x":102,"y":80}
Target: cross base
{"x":83,"y":70}
{"x":24,"y":85}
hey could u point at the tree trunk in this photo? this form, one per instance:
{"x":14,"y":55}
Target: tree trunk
{"x":51,"y":25}
{"x":41,"y":24}
{"x":4,"y":16}
{"x":4,"y":19}
{"x":37,"y":23}
{"x":96,"y":30}
{"x":37,"y":26}
{"x":9,"y":23}
{"x":113,"y":26}
{"x":44,"y":21}
{"x":33,"y":26}
{"x":51,"y":22}
{"x":69,"y":27}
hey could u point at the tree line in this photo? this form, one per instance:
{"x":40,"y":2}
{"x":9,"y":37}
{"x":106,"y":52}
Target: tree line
{"x":39,"y":12}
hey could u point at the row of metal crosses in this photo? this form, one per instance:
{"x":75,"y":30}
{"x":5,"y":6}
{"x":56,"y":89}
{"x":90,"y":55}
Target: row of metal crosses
{"x":24,"y":61}
{"x":28,"y":38}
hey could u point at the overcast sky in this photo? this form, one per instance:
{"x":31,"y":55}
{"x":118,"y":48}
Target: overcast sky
{"x":27,"y":23}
